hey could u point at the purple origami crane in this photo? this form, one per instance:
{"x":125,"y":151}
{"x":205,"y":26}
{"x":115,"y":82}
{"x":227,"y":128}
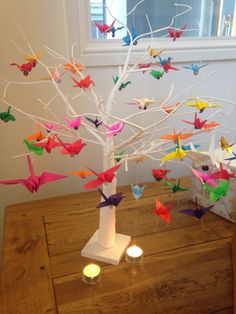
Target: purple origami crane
{"x":113,"y":199}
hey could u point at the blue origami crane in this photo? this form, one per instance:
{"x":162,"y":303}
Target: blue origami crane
{"x":195,"y":67}
{"x":137,"y":190}
{"x":128,"y":40}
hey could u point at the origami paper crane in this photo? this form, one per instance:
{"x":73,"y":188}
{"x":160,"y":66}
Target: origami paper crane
{"x":34,"y":58}
{"x":137,"y":190}
{"x":157,"y":74}
{"x":25,"y":67}
{"x":34,"y":149}
{"x":195,"y":67}
{"x":198,"y":123}
{"x":115,"y":29}
{"x":210,"y":125}
{"x":82,"y":173}
{"x":205,"y":177}
{"x":169,"y":109}
{"x":179,"y":152}
{"x":231,"y":158}
{"x":73,"y":67}
{"x":140,"y":159}
{"x":174,"y":137}
{"x":184,"y":147}
{"x":222,"y":174}
{"x":225,"y":145}
{"x":84,"y":83}
{"x":6,"y":116}
{"x":219,"y":191}
{"x":128,"y":40}
{"x":197,"y":212}
{"x":96,"y":122}
{"x":37,"y":136}
{"x":160,"y":174}
{"x":163,"y":211}
{"x":166,"y":64}
{"x":55,"y":75}
{"x":115,"y":128}
{"x":201,"y":105}
{"x":102,"y":177}
{"x":71,"y":148}
{"x":49,"y":144}
{"x":142,"y":103}
{"x":104,"y":28}
{"x":33,"y":182}
{"x":122,"y":85}
{"x":112,"y":200}
{"x":144,"y":66}
{"x":175,"y":187}
{"x":74,"y":123}
{"x":51,"y":126}
{"x":119,"y":156}
{"x":176,"y":33}
{"x":154,"y":52}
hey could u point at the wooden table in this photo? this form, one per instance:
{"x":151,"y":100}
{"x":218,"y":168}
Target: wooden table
{"x":185,"y":269}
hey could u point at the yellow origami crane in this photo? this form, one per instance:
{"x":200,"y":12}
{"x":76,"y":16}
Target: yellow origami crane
{"x":33,"y":58}
{"x":225,"y":145}
{"x":154,"y":52}
{"x":179,"y":153}
{"x":201,"y":105}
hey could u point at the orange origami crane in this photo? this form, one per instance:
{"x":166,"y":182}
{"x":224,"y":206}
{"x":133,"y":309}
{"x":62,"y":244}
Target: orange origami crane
{"x":73,"y":67}
{"x":82,"y":173}
{"x":38,"y":135}
{"x":163,"y":211}
{"x":174,"y":137}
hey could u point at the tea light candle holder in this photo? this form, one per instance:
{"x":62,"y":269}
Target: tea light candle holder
{"x":134,"y":254}
{"x":91,"y":274}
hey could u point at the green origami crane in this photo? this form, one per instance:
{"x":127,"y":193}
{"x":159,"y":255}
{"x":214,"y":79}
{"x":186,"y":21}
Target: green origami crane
{"x":175,"y":187}
{"x":219,"y":191}
{"x":157,"y":74}
{"x":119,"y":156}
{"x":7,"y":116}
{"x":123,"y":85}
{"x":34,"y":149}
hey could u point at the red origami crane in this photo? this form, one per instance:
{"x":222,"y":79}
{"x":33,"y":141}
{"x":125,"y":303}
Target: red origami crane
{"x":160,"y":174}
{"x":176,"y":33}
{"x":84,"y":83}
{"x":102,"y":177}
{"x":222,"y":174}
{"x":198,"y":123}
{"x":71,"y":148}
{"x":33,"y":182}
{"x":104,"y":28}
{"x":163,"y":211}
{"x":25,"y":67}
{"x":49,"y":144}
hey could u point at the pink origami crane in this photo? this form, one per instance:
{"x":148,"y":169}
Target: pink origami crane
{"x":102,"y":177}
{"x":114,"y":129}
{"x":75,"y":123}
{"x":205,"y":177}
{"x":33,"y":182}
{"x":104,"y":28}
{"x":51,"y":126}
{"x":71,"y":148}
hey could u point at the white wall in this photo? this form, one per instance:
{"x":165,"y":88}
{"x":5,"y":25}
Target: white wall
{"x":43,"y":22}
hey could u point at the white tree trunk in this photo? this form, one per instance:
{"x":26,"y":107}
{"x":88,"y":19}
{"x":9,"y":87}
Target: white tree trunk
{"x":107,"y":221}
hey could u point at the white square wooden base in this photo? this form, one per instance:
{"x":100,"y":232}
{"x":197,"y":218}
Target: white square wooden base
{"x":112,"y":255}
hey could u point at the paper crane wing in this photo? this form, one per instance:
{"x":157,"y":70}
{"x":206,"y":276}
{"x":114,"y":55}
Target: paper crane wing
{"x":47,"y":177}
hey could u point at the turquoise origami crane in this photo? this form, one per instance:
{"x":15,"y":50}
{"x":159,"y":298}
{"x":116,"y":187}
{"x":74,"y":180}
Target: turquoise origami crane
{"x":137,"y":190}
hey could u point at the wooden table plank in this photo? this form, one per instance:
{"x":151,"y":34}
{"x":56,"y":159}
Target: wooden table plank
{"x":70,"y":231}
{"x":193,"y":280}
{"x":72,"y":262}
{"x":26,"y":285}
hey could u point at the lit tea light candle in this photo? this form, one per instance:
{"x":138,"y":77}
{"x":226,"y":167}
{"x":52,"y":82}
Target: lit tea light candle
{"x":91,"y":274}
{"x":134,"y":254}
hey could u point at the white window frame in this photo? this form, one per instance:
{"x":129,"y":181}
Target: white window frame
{"x":111,"y":52}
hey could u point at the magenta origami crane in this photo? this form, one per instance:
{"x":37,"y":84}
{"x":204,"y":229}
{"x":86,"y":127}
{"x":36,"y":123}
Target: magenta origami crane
{"x":176,"y":33}
{"x":71,"y":148}
{"x":74,"y":123}
{"x":114,"y":129}
{"x":104,"y":28}
{"x":33,"y":182}
{"x":205,"y":177}
{"x":102,"y":177}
